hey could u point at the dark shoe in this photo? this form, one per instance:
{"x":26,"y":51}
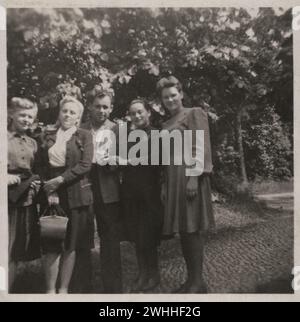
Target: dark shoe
{"x":182,"y":288}
{"x":197,"y":289}
{"x":151,"y":283}
{"x":138,"y":285}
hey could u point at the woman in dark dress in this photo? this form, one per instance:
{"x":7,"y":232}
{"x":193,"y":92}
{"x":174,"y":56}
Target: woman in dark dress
{"x":24,"y":243}
{"x":187,"y":199}
{"x":68,"y":155}
{"x":140,"y":195}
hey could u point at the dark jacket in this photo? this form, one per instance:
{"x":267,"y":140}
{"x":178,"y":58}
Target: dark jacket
{"x":79,"y":157}
{"x":142,"y":180}
{"x":108,"y":177}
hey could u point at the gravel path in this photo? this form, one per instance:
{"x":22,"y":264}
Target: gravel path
{"x":252,"y":258}
{"x":246,"y":260}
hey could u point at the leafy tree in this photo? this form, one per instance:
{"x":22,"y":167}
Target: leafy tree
{"x":236,"y":63}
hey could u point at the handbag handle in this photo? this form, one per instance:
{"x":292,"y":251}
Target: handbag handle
{"x":57,"y":209}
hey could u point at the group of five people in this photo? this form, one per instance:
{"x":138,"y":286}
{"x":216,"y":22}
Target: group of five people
{"x":139,"y":203}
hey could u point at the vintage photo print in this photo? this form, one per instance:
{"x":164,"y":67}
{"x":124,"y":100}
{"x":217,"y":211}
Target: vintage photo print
{"x":148,"y":150}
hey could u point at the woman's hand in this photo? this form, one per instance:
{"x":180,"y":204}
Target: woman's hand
{"x":53,"y":184}
{"x":13,"y":179}
{"x":53,"y":199}
{"x":36,"y":184}
{"x":192,"y":188}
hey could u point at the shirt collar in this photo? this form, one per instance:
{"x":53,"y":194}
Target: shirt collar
{"x":68,"y":132}
{"x":105,"y":125}
{"x":14,"y":134}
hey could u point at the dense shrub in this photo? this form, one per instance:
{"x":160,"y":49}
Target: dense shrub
{"x":233,"y":62}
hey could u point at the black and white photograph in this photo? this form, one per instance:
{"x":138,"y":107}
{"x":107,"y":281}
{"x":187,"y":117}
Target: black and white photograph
{"x":150,"y":150}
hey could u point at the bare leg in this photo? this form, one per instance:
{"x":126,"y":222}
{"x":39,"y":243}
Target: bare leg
{"x":187,"y":258}
{"x":153,"y":269}
{"x":197,"y":252}
{"x":67,"y":266}
{"x":142,"y":266}
{"x":51,"y":268}
{"x":81,"y":281}
{"x":153,"y":277}
{"x":12,"y":274}
{"x":193,"y":249}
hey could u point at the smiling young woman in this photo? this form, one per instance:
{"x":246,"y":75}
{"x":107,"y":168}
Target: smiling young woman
{"x":187,"y":200}
{"x":68,"y":162}
{"x":142,"y":209}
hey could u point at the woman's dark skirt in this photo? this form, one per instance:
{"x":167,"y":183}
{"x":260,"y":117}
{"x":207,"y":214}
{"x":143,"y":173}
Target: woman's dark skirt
{"x":24,"y":233}
{"x":80,"y":228}
{"x":142,"y":216}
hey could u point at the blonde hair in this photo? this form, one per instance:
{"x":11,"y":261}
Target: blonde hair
{"x":18,"y":103}
{"x":71,"y":99}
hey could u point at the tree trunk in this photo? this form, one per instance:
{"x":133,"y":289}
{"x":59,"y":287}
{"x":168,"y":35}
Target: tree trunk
{"x":239,"y":138}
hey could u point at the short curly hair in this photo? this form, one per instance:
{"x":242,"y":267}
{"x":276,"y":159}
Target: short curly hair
{"x":19,"y":103}
{"x":167,"y":82}
{"x":72,"y":99}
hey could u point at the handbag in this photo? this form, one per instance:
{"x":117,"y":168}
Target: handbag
{"x":53,"y":223}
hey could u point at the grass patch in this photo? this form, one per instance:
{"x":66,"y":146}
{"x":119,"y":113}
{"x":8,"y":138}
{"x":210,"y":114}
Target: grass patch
{"x":271,"y":186}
